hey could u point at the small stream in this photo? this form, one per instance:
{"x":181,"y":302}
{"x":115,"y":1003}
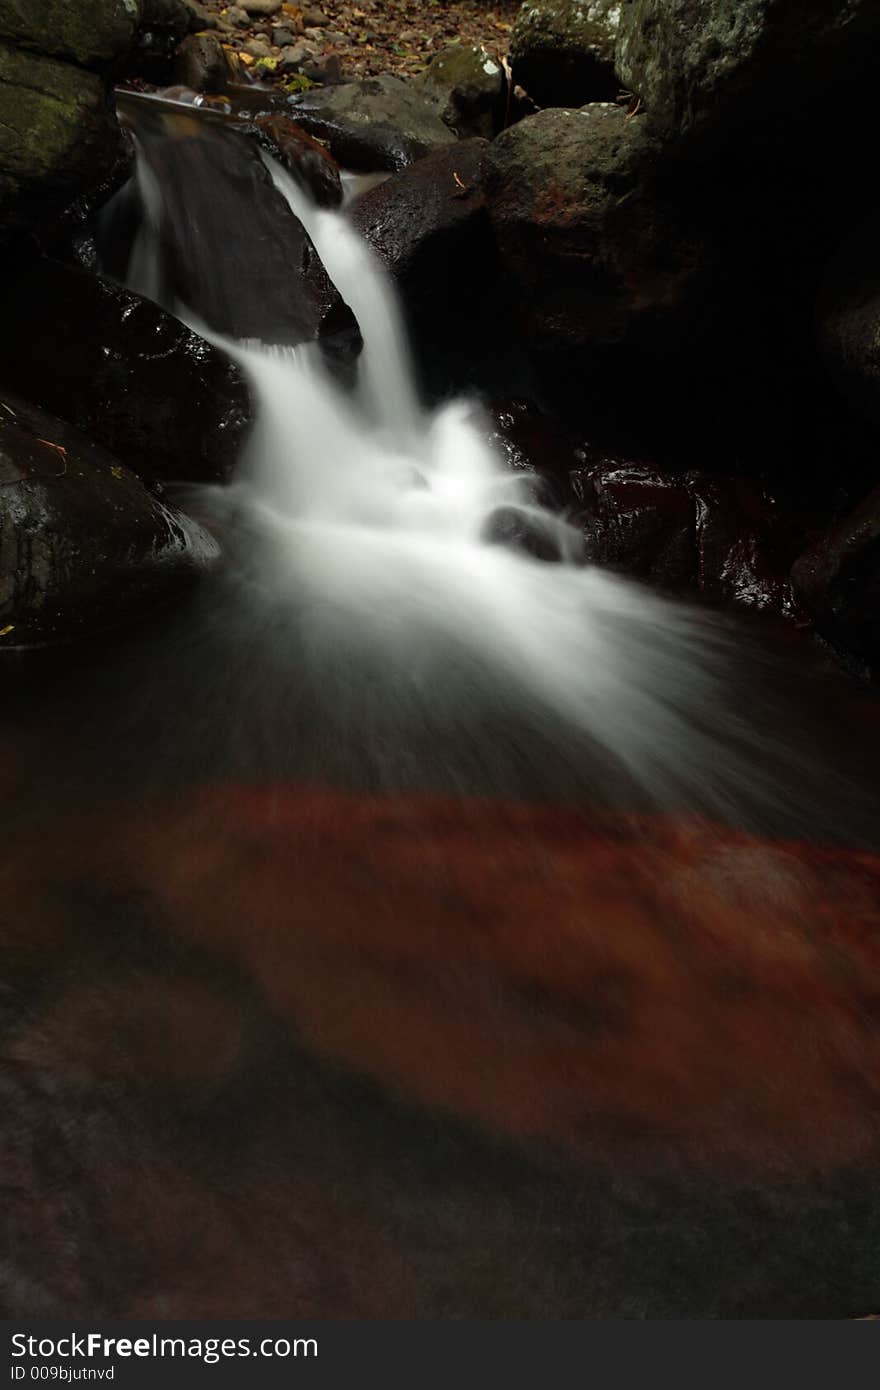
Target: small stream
{"x":409,"y":926}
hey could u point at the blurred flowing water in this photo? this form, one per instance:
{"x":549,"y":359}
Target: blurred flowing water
{"x":446,"y":930}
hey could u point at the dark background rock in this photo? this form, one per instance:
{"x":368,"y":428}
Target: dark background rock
{"x":837,"y":580}
{"x":849,"y":320}
{"x":737,"y":69}
{"x":130,"y":376}
{"x":164,"y":25}
{"x":83,"y":545}
{"x":200,"y":64}
{"x":467,"y":88}
{"x":584,"y":237}
{"x":562,"y":51}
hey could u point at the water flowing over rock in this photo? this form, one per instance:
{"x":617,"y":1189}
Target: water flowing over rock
{"x":313,"y":167}
{"x":138,"y":382}
{"x":430,"y":227}
{"x":467,"y":87}
{"x":252,"y":274}
{"x":380,"y":123}
{"x":562,"y":51}
{"x":83,"y":545}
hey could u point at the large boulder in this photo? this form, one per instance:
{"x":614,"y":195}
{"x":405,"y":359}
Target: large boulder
{"x":837,"y":580}
{"x":91,"y":35}
{"x":83,"y":545}
{"x":252,"y":273}
{"x":129,"y":375}
{"x":58,"y":134}
{"x":725,"y":65}
{"x":377,"y":124}
{"x":562,"y":51}
{"x":466,"y":86}
{"x":720,"y":536}
{"x":429,"y":225}
{"x":593,"y":251}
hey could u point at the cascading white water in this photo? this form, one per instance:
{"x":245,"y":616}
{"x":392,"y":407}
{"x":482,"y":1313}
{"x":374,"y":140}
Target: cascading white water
{"x":367,"y":514}
{"x":372,"y":506}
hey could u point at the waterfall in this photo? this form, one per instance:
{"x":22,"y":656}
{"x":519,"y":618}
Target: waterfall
{"x":367,"y":517}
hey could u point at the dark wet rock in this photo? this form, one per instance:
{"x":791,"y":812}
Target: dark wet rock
{"x":201,"y":64}
{"x":837,"y":580}
{"x":131,"y":377}
{"x":58,"y":137}
{"x":83,"y":545}
{"x":730,"y":66}
{"x":379,"y":123}
{"x":594,"y":253}
{"x":426,"y":215}
{"x":313,"y":167}
{"x":717,"y":535}
{"x":562,"y":51}
{"x":849,"y":320}
{"x":92,"y":35}
{"x":638,"y":519}
{"x":466,"y":86}
{"x":529,"y":439}
{"x":429,"y":225}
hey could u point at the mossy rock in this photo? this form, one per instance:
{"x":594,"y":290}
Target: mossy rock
{"x":562,"y":51}
{"x":57,"y":132}
{"x":90,"y":33}
{"x":465,"y":84}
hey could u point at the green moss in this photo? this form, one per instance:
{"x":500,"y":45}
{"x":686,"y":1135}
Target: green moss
{"x":90,"y":33}
{"x":55,"y":126}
